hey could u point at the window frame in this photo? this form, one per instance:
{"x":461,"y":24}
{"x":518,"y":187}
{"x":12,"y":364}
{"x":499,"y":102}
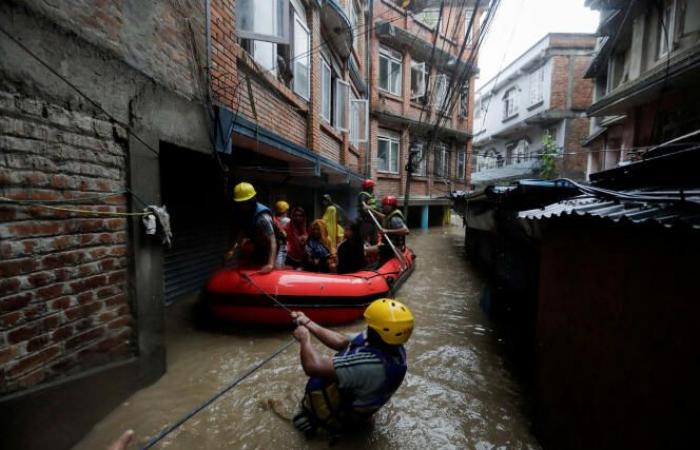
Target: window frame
{"x":461,"y":160}
{"x":510,"y":105}
{"x":307,"y":56}
{"x":344,"y":107}
{"x":444,"y":152}
{"x":391,"y":138}
{"x":392,"y":57}
{"x":355,"y":139}
{"x":245,"y":12}
{"x":421,"y":168}
{"x":536,"y":86}
{"x":326,"y":91}
{"x":419,"y":68}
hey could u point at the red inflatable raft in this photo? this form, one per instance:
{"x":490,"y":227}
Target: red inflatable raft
{"x":326,"y":298}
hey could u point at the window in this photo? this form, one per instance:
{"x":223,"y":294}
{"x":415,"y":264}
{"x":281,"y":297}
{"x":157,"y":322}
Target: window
{"x":429,"y":16}
{"x":265,"y":54}
{"x":353,"y":15}
{"x":691,"y":17}
{"x":518,"y":152}
{"x":342,"y":98}
{"x":461,"y":164}
{"x":263,"y":20}
{"x":418,"y":77}
{"x":464,"y":100}
{"x":537,"y":86}
{"x":388,"y":151}
{"x":390,"y":70}
{"x":440,"y":89}
{"x":665,"y":29}
{"x":418,"y":158}
{"x":469,"y":31}
{"x":477,"y":110}
{"x":301,"y":57}
{"x":359,"y":121}
{"x":442,"y":161}
{"x":510,"y":106}
{"x":326,"y":91}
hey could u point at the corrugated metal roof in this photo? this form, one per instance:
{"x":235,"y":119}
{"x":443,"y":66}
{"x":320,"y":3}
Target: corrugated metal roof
{"x":667,"y":214}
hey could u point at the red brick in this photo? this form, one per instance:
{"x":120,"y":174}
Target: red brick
{"x":120,"y":322}
{"x":87,"y":336}
{"x":88,"y":283}
{"x":10,"y":319}
{"x":85,"y":297}
{"x":116,"y":300}
{"x":117,"y":277}
{"x":38,"y":343}
{"x":24,"y":332}
{"x":60,"y":303}
{"x":63,"y":333}
{"x":7,"y":353}
{"x":40,"y":279}
{"x":83,"y":311}
{"x":50,"y":292}
{"x":32,"y":378}
{"x":15,"y":302}
{"x":17,"y":267}
{"x":8,"y":286}
{"x":33,"y":361}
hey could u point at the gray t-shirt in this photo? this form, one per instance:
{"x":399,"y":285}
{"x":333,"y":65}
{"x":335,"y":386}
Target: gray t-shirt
{"x":361,"y":374}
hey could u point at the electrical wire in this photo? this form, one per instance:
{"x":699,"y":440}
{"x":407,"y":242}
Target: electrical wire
{"x":74,"y":210}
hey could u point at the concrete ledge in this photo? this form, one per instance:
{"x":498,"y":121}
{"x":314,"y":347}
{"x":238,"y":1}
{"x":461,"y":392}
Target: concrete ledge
{"x":59,"y":414}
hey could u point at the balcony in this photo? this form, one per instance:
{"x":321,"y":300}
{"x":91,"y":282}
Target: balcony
{"x":335,"y":19}
{"x":510,"y":172}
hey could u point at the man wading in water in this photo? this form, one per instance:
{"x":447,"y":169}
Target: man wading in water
{"x":344,"y":391}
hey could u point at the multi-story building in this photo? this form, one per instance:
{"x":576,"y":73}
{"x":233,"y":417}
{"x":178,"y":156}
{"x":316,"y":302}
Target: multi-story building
{"x":541,"y":92}
{"x":645,"y":72}
{"x":414,"y":57}
{"x":151,"y":103}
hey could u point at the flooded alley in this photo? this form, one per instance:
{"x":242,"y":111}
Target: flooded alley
{"x":457,"y":393}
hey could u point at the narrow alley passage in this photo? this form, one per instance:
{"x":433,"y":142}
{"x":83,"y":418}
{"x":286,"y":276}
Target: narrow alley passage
{"x":457,"y":394}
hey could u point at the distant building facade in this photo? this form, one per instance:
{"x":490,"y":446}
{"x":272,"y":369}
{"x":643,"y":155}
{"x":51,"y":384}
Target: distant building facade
{"x":645,"y":72}
{"x":413,"y":58}
{"x":542,"y":91}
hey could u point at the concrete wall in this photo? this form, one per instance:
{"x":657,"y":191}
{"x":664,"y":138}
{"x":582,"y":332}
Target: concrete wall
{"x":616,"y":337}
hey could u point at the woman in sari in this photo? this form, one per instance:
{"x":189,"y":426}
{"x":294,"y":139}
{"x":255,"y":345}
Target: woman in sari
{"x":320,"y":254}
{"x":335,"y":231}
{"x":296,"y":237}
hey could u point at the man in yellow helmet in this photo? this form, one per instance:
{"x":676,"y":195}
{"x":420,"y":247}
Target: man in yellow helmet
{"x":256,"y":225}
{"x":344,"y":391}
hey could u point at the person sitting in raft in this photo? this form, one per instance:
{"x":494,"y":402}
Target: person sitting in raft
{"x":330,"y":217}
{"x":393,"y":228}
{"x":297,"y":235}
{"x":257,"y":228}
{"x":353,"y":251}
{"x":319,"y":254}
{"x":343,"y":392}
{"x":281,"y":218}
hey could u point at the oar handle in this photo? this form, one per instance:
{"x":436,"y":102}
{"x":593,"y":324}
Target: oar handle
{"x":402,"y":261}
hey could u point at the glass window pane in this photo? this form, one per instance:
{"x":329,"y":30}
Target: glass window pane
{"x":301,"y":58}
{"x":394,"y":156}
{"x":382,"y":158}
{"x":264,"y":20}
{"x":384,"y":73}
{"x":342,"y":97}
{"x":325,"y":91}
{"x":395,"y":78}
{"x":265,"y":54}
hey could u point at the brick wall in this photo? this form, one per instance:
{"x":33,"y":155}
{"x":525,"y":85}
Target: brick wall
{"x":152,"y":37}
{"x":63,"y":298}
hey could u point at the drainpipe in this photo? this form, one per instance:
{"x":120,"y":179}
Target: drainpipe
{"x":368,"y":56}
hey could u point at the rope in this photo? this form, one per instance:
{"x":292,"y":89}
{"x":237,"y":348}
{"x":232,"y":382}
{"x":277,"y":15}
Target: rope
{"x":250,"y":280}
{"x":74,"y":210}
{"x":218,"y":395}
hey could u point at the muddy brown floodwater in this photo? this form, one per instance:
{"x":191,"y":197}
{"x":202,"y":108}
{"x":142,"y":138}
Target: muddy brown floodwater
{"x":457,"y":393}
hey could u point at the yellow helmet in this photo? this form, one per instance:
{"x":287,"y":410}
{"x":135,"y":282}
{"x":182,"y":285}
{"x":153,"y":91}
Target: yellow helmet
{"x":391,"y":319}
{"x":282,"y":206}
{"x":243,"y":192}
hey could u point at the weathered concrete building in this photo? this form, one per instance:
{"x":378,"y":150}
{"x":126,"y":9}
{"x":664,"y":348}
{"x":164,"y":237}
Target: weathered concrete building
{"x":94,"y":97}
{"x":645,"y":73}
{"x":542,"y":91}
{"x":413,"y":58}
